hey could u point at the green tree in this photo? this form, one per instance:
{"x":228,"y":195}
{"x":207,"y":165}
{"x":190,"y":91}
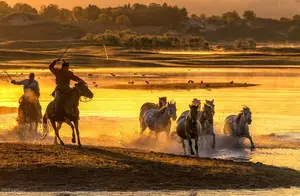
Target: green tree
{"x":296,"y":17}
{"x":194,"y":16}
{"x":24,"y":8}
{"x":104,"y":19}
{"x":78,"y":13}
{"x":231,"y":17}
{"x":92,"y":12}
{"x":283,"y":19}
{"x":249,"y":15}
{"x":65,"y":15}
{"x":124,"y":21}
{"x":202,"y":17}
{"x":5,"y":8}
{"x":50,"y":12}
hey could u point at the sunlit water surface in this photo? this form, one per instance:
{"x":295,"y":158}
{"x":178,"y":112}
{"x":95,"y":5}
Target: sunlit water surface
{"x":111,"y":118}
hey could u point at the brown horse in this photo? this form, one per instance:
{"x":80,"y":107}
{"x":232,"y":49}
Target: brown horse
{"x":29,"y":112}
{"x":71,"y":113}
{"x":188,"y":128}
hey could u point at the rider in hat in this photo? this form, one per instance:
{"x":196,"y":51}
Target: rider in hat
{"x":63,"y":76}
{"x":33,"y":86}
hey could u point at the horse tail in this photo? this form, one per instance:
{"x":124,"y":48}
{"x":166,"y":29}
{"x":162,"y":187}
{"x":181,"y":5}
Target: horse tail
{"x":45,"y":126}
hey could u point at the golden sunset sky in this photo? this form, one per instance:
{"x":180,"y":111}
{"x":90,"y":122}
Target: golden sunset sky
{"x":264,"y":8}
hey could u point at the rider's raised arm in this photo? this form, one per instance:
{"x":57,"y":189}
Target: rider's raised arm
{"x":51,"y":67}
{"x":76,"y":78}
{"x":22,"y":82}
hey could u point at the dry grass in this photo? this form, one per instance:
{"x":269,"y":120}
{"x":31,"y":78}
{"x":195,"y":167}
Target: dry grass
{"x":52,"y":168}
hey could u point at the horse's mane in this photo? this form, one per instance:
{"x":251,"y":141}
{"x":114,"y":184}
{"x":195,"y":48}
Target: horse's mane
{"x":162,"y":110}
{"x":238,"y":118}
{"x":246,"y":107}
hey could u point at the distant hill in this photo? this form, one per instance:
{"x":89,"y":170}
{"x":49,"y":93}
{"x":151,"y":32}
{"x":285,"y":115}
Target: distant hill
{"x":20,"y":26}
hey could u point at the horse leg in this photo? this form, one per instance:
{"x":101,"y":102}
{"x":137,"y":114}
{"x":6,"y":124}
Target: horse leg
{"x":73,"y":131}
{"x":183,"y":146}
{"x":196,"y":146}
{"x":59,"y":124}
{"x":191,"y":147}
{"x":213,"y":146}
{"x":143,"y":126}
{"x":77,"y":132}
{"x":252,"y":144}
{"x":167,"y":131}
{"x":56,"y":132}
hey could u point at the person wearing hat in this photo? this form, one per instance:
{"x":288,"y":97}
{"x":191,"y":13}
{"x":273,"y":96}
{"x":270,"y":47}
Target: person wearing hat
{"x":63,"y":77}
{"x":30,"y":86}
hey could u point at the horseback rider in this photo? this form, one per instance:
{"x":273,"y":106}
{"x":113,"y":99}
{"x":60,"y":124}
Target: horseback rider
{"x":63,"y":76}
{"x":29,"y":85}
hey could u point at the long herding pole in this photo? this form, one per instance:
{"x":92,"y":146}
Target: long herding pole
{"x":7,"y":75}
{"x":65,"y":51}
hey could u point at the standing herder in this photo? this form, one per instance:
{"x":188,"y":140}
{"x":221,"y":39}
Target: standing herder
{"x":30,"y":86}
{"x":63,"y":77}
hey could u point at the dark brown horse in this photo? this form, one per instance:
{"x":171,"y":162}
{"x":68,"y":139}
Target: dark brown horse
{"x":188,"y":128}
{"x":29,"y":112}
{"x":71,"y":113}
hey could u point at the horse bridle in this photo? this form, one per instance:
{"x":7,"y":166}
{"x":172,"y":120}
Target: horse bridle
{"x":83,"y":99}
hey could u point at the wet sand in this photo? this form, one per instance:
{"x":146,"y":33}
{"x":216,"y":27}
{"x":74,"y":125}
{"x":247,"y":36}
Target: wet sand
{"x":27,"y":167}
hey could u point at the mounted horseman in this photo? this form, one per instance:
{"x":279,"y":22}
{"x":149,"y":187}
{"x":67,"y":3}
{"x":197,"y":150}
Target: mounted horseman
{"x":63,"y":77}
{"x":29,"y":109}
{"x":64,"y":108}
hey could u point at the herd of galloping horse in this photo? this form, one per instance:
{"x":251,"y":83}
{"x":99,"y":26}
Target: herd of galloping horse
{"x":193,"y":123}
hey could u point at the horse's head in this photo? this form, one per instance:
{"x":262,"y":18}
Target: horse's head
{"x":172,"y":110}
{"x":208,"y":111}
{"x":162,"y":102}
{"x":193,"y":114}
{"x":210,"y":105}
{"x":247,"y":115}
{"x":196,"y":102}
{"x":84,"y":90}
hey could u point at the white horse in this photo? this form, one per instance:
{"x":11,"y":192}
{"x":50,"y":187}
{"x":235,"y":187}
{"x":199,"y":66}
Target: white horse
{"x":159,"y":120}
{"x":238,"y":125}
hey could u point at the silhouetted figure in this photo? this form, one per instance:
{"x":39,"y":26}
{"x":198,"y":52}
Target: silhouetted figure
{"x":147,"y":82}
{"x":96,"y":85}
{"x":191,"y":82}
{"x":201,"y":81}
{"x":231,"y":82}
{"x":112,"y":74}
{"x":131,"y":83}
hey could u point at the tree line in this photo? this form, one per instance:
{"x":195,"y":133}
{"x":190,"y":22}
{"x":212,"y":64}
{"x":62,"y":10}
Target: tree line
{"x":127,"y":15}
